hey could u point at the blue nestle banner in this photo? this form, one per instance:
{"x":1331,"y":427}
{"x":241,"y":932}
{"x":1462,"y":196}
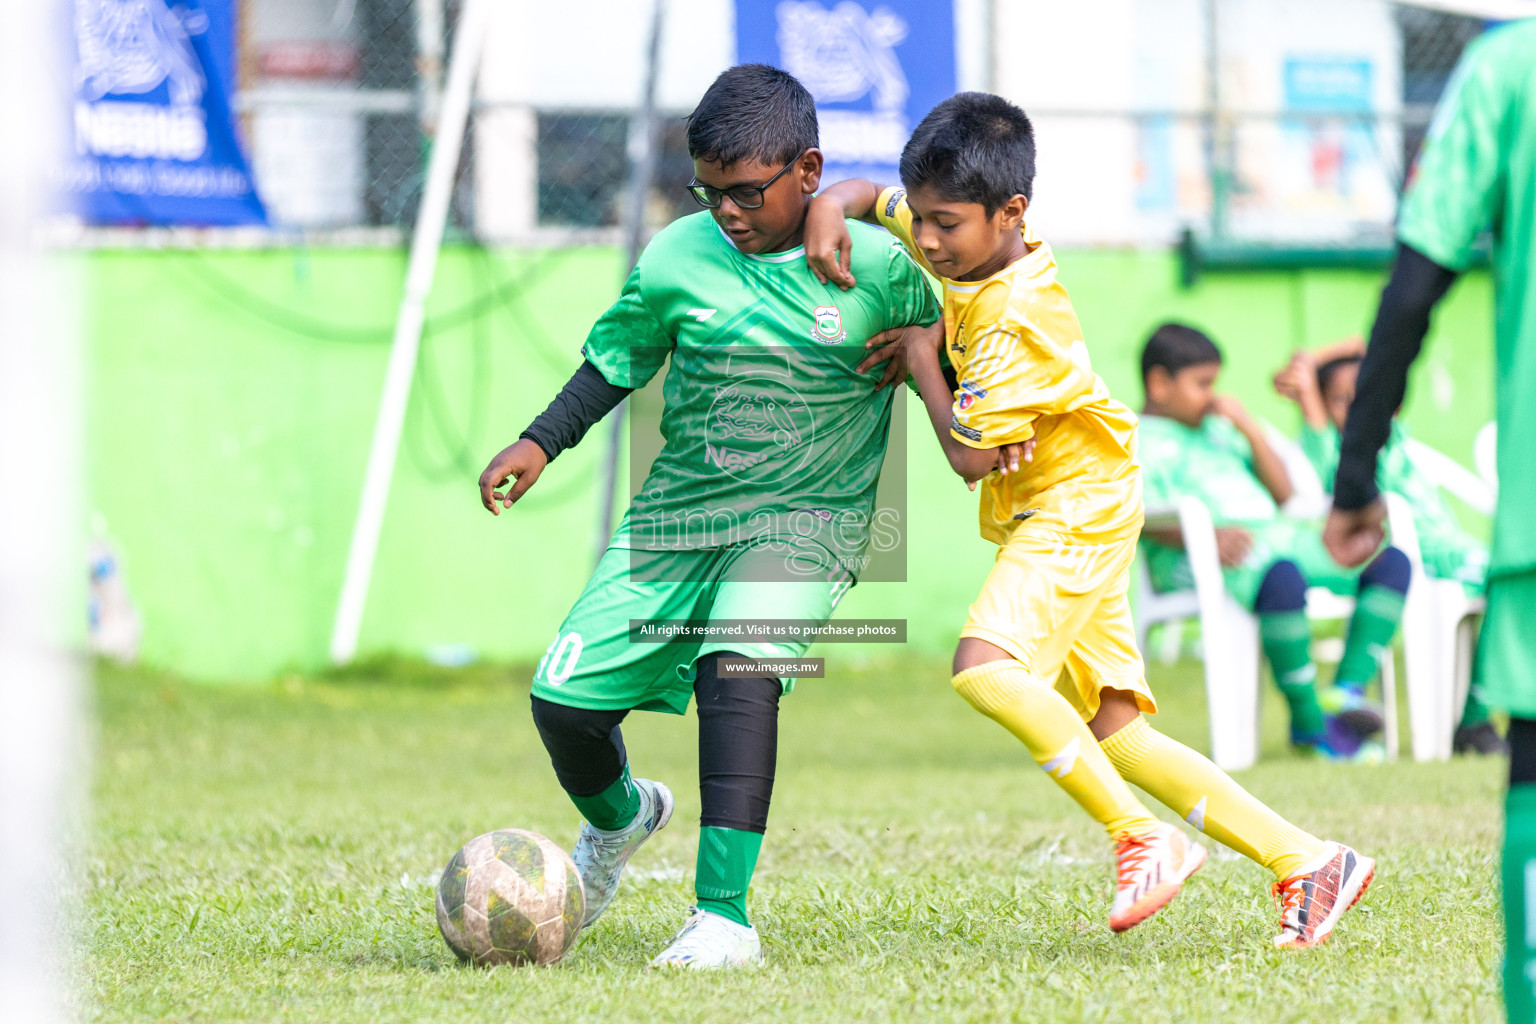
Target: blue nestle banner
{"x":875,"y":69}
{"x":153,"y":135}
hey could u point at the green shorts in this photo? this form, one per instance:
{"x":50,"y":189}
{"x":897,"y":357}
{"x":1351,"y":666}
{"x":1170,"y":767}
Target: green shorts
{"x":1508,"y":654}
{"x":1300,"y":542}
{"x":597,"y":662}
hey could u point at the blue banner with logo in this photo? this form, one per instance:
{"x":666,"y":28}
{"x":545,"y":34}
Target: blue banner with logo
{"x":875,"y":67}
{"x":153,"y":137}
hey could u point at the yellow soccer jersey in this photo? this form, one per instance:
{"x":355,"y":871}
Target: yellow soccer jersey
{"x":1018,"y":352}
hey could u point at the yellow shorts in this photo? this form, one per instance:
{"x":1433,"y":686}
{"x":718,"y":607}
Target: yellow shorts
{"x":1055,"y":603}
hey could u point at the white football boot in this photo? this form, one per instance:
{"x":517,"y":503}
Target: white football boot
{"x":600,"y":855}
{"x":1151,"y":869}
{"x":1314,"y":898}
{"x":712,"y":940}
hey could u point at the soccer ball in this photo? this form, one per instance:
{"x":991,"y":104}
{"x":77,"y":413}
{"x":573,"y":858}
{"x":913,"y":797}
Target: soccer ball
{"x":510,"y":897}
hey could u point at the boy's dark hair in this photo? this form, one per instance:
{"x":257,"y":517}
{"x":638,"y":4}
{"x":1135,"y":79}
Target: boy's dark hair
{"x":975,"y":148}
{"x":1175,"y":347}
{"x":753,"y":111}
{"x":1328,"y":370}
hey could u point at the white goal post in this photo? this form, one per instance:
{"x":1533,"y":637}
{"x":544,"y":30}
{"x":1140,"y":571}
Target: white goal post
{"x":42,"y":557}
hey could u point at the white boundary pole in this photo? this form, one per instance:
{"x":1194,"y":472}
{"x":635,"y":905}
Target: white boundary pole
{"x":427,"y":238}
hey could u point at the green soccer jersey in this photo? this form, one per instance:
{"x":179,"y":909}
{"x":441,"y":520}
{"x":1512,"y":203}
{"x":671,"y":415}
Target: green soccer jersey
{"x":1477,"y":172}
{"x":1448,"y":551}
{"x":1213,"y":462}
{"x":769,"y":430}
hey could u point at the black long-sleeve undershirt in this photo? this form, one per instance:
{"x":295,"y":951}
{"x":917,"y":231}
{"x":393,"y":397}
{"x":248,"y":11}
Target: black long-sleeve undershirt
{"x":586,"y":398}
{"x":1402,"y":320}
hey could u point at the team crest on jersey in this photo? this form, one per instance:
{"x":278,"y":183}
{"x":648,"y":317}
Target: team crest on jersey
{"x":969,"y":393}
{"x":829,"y":326}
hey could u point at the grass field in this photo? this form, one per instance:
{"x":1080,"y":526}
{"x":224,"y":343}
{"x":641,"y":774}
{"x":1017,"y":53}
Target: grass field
{"x":269,"y":854}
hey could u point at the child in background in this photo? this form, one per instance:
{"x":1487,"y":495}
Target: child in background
{"x":1322,"y":383}
{"x":1195,"y":441}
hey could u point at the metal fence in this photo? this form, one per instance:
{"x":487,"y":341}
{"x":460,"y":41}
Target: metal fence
{"x":337,"y":103}
{"x":337,"y":98}
{"x":1327,"y":169}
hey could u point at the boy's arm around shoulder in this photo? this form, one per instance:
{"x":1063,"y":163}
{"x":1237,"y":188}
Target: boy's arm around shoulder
{"x":907,"y":300}
{"x":828,"y":243}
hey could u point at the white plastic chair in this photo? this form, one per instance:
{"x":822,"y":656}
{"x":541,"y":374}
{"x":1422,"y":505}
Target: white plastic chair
{"x":1439,"y":635}
{"x":1229,"y":632}
{"x":1171,"y":610}
{"x":1230,"y":637}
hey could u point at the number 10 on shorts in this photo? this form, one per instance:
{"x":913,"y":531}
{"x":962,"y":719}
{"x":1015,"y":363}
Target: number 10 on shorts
{"x":560,"y":658}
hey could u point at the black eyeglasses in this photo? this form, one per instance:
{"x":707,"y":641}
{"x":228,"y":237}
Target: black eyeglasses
{"x":748,"y":197}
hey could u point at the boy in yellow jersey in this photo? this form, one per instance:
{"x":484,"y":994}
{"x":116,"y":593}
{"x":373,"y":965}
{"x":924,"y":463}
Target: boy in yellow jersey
{"x":1065,"y":524}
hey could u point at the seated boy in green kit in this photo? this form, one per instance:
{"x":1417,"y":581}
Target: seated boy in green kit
{"x":1322,"y":383}
{"x":1197,"y":442}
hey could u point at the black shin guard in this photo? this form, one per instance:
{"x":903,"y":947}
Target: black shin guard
{"x":738,"y":746}
{"x":585,"y":746}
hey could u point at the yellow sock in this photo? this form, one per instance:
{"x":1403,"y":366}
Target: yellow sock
{"x":1058,"y":740}
{"x":1208,"y":798}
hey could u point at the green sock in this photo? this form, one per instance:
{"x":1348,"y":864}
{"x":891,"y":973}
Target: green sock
{"x":1519,"y":913}
{"x":1371,"y":629}
{"x":727,"y":857}
{"x":614,"y":807}
{"x":1287,"y":641}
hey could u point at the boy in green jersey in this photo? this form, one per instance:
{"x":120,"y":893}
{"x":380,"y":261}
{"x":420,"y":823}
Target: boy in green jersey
{"x":1197,"y":442}
{"x":758,"y":506}
{"x":1322,"y":383}
{"x":1477,"y":174}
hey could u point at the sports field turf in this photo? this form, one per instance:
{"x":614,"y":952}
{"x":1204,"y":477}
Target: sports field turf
{"x":269,"y":854}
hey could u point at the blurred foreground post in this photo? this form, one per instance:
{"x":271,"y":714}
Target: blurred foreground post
{"x":642,"y":173}
{"x":42,"y":564}
{"x":425,"y":242}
